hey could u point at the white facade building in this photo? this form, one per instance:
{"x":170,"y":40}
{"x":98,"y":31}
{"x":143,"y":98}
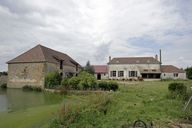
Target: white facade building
{"x":134,"y":68}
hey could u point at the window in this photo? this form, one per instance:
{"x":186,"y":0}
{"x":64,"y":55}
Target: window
{"x":164,"y":74}
{"x":175,"y":74}
{"x":61,"y":64}
{"x":113,"y":73}
{"x":132,"y":73}
{"x":120,"y":73}
{"x":154,"y":70}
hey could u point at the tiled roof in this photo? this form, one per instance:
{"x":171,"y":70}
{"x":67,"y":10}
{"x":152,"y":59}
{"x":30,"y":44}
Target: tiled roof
{"x":171,"y":69}
{"x":100,"y":68}
{"x":134,"y":60}
{"x":43,"y":54}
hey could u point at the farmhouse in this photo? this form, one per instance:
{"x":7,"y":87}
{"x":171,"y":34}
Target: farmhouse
{"x":100,"y":72}
{"x":134,"y":67}
{"x":172,"y":72}
{"x":31,"y":67}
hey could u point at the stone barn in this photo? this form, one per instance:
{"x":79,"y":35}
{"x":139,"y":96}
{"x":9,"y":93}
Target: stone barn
{"x":31,"y":67}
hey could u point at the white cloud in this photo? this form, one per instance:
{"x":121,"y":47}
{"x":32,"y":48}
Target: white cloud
{"x":93,"y":30}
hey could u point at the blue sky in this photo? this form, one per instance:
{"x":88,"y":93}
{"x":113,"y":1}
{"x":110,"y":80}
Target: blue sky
{"x":95,"y":30}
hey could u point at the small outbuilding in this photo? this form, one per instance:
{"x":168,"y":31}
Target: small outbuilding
{"x":100,"y":72}
{"x":172,"y":72}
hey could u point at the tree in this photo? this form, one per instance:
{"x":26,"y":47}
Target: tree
{"x":3,"y":73}
{"x":88,"y":68}
{"x":189,"y":72}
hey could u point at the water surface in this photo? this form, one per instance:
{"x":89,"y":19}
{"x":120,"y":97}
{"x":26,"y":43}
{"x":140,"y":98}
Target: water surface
{"x":17,"y":99}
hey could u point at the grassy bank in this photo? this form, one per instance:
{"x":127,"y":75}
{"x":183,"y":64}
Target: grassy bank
{"x":147,"y":101}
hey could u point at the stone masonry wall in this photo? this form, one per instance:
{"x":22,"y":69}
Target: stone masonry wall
{"x":21,"y":74}
{"x":3,"y":79}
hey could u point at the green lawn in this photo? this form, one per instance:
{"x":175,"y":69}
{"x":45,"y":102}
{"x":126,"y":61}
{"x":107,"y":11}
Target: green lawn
{"x":135,"y":100}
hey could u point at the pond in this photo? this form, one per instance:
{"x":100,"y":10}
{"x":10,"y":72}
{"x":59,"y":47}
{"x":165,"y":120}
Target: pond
{"x":17,"y":99}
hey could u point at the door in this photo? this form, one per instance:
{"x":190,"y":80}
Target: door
{"x":99,"y":76}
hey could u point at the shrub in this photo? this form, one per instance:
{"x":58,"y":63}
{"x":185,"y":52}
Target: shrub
{"x":92,"y":82}
{"x":4,"y":86}
{"x":52,"y":79}
{"x":103,"y":85}
{"x":177,"y":89}
{"x":32,"y":88}
{"x":83,"y":84}
{"x":83,"y":81}
{"x":73,"y":82}
{"x":65,"y":83}
{"x":113,"y":85}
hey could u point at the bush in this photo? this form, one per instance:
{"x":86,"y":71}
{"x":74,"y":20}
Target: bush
{"x":4,"y":86}
{"x":113,"y":85}
{"x":32,"y":88}
{"x":83,"y":84}
{"x":103,"y":85}
{"x":52,"y":79}
{"x":73,"y":82}
{"x":65,"y":83}
{"x":83,"y":81}
{"x":177,"y":89}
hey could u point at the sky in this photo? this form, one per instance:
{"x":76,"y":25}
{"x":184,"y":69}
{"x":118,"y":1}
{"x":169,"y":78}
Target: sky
{"x":96,"y":29}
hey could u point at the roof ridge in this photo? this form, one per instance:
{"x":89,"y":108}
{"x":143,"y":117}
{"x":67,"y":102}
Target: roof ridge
{"x":136,"y":57}
{"x":42,"y":51}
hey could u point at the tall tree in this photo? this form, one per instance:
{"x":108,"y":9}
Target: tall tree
{"x":189,"y":72}
{"x":88,"y":68}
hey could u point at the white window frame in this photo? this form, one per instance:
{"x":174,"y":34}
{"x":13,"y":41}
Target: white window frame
{"x":120,"y":73}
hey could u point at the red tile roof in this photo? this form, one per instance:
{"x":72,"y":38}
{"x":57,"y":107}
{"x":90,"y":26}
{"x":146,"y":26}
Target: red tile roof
{"x":100,"y":68}
{"x":171,"y":69}
{"x":43,"y":54}
{"x":134,"y":60}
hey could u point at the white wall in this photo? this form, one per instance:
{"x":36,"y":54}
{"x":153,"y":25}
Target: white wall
{"x":130,"y":67}
{"x":103,"y":76}
{"x":171,"y":76}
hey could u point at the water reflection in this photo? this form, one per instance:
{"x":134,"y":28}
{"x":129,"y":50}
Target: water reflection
{"x":15,"y":99}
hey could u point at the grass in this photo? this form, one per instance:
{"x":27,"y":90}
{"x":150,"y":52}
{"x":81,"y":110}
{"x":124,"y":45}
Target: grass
{"x":147,"y":101}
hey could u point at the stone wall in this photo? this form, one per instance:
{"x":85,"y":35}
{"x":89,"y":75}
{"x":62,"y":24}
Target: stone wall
{"x":52,"y":67}
{"x":33,"y":74}
{"x":3,"y":79}
{"x":21,"y":74}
